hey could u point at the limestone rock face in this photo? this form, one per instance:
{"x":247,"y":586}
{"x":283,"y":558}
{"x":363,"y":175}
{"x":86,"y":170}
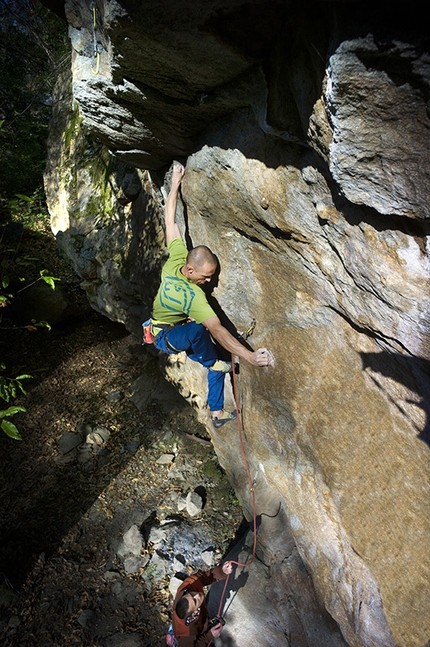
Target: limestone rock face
{"x":383,"y":167}
{"x":306,"y":136}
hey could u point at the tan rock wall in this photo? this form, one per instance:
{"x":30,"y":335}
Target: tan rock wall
{"x":306,"y":146}
{"x":335,"y":423}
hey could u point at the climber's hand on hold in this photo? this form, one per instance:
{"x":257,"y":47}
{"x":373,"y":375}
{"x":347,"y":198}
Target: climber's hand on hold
{"x":178,"y":174}
{"x":262,"y":357}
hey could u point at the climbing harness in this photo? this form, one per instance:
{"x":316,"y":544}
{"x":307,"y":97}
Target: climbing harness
{"x":96,"y":52}
{"x":151,"y":328}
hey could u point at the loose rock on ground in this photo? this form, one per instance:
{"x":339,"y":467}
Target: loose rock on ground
{"x":96,"y":540}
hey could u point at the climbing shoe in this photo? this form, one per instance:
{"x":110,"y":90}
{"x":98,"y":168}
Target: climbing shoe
{"x":221,"y":366}
{"x":227,"y":416}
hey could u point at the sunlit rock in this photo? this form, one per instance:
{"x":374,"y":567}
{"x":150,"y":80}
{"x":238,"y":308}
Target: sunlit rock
{"x":305,"y":134}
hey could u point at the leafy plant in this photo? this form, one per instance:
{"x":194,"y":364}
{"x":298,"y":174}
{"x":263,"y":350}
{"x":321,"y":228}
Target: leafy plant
{"x":13,"y":264}
{"x":5,"y":297}
{"x":8,"y":427}
{"x":16,"y":268}
{"x":9,"y":389}
{"x":34,"y":49}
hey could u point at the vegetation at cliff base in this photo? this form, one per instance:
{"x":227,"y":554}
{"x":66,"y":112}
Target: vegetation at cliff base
{"x":33,"y":47}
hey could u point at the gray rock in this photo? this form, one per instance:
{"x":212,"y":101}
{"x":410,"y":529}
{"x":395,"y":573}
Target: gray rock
{"x":182,"y":502}
{"x":114,"y":396}
{"x":84,"y":429}
{"x":132,"y":446}
{"x":165,"y":459}
{"x":111,"y":575}
{"x":177,"y":475}
{"x":132,"y":542}
{"x":157,"y":535}
{"x":208,"y":556}
{"x":85,"y":617}
{"x":14,"y":622}
{"x":194,"y":504}
{"x":134,"y":564}
{"x":102,"y":432}
{"x":307,"y":173}
{"x":157,"y":567}
{"x":68,"y":441}
{"x":368,"y":179}
{"x":179,"y":564}
{"x":174,"y":584}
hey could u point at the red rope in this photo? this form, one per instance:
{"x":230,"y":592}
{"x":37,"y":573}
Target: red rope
{"x":251,"y":486}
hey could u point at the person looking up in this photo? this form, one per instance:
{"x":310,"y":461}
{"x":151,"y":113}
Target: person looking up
{"x":190,"y":623}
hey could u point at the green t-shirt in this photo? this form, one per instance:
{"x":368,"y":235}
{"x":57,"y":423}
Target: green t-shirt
{"x":177,"y":297}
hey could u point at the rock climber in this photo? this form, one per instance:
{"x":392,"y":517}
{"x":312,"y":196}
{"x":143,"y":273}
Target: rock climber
{"x":183,"y":320}
{"x":190,"y":623}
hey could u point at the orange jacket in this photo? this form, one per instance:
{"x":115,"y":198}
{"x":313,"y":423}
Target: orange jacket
{"x":195,"y":634}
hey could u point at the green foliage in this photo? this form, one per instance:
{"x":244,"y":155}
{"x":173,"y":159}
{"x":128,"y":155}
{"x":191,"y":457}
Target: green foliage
{"x":50,"y":280}
{"x":34,"y":46}
{"x":15,"y":267}
{"x":34,"y":325}
{"x":8,"y":427}
{"x":9,"y":389}
{"x":18,"y":271}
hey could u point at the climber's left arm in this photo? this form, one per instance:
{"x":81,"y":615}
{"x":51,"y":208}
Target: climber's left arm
{"x":172,"y":229}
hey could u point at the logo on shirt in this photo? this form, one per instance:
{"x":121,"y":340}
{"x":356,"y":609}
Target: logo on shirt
{"x":176,"y":295}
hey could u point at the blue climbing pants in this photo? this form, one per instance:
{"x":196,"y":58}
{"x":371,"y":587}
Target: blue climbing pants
{"x":194,"y":339}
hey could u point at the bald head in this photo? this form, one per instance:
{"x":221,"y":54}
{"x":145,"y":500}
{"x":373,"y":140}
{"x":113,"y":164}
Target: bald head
{"x":201,"y":265}
{"x":201,"y":255}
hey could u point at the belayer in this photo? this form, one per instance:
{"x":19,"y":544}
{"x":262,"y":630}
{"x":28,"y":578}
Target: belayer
{"x":191,"y":626}
{"x":183,"y":320}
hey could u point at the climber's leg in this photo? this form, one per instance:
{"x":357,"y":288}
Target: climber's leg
{"x":195,"y":340}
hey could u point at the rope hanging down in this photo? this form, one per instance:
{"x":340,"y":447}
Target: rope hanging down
{"x":244,"y":336}
{"x":96,"y":52}
{"x":245,"y":462}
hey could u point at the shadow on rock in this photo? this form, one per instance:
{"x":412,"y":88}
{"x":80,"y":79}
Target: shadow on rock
{"x":413,"y":373}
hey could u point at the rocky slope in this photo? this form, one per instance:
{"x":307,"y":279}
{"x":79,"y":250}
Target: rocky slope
{"x":92,"y":532}
{"x":305,"y":133}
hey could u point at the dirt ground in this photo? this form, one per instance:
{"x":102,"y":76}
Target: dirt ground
{"x":61,"y":516}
